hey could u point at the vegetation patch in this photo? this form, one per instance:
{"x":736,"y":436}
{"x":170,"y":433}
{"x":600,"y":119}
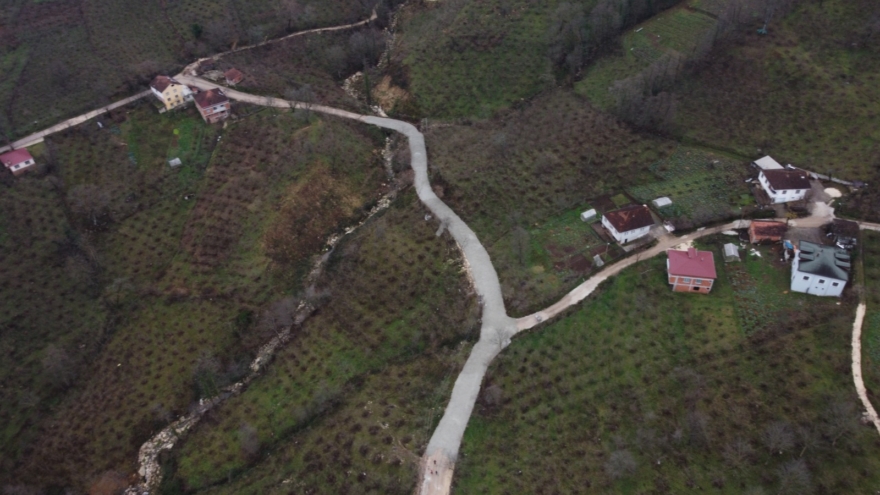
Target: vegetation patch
{"x":170,"y":276}
{"x":394,"y":293}
{"x":704,"y":187}
{"x":641,"y":389}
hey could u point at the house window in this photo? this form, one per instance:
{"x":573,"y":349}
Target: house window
{"x":696,"y":288}
{"x":835,"y":284}
{"x":685,"y":280}
{"x":806,"y":278}
{"x":821,"y":281}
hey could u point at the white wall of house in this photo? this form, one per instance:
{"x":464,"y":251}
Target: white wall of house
{"x":814,"y":284}
{"x":781,"y":196}
{"x":624,"y":237}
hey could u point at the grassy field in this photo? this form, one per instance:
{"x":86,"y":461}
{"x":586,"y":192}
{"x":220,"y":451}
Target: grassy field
{"x":676,"y":31}
{"x":529,"y":169}
{"x":172,"y":272}
{"x":704,"y":187}
{"x":870,"y":252}
{"x":394,"y":293}
{"x":60,"y":59}
{"x":806,"y":93}
{"x":642,"y":390}
{"x":472,"y":58}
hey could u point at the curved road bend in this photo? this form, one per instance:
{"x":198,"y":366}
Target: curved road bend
{"x":497,"y":328}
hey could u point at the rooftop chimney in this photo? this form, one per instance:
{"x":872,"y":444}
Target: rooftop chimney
{"x":691,"y":252}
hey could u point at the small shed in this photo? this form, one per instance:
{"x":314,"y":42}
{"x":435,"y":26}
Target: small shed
{"x":588,"y":215}
{"x":174,"y":162}
{"x":661,"y":202}
{"x":731,"y":252}
{"x":233,"y":76}
{"x":766,"y":231}
{"x":597,"y":261}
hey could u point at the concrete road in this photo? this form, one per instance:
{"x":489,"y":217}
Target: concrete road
{"x":497,"y":328}
{"x":37,"y":137}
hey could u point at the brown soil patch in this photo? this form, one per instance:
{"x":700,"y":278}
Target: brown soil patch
{"x":387,"y":95}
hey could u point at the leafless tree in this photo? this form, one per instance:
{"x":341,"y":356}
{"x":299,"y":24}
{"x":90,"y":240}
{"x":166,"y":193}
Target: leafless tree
{"x":840,"y":420}
{"x":521,"y":244}
{"x":737,"y":453}
{"x":249,"y":440}
{"x":59,"y":366}
{"x":568,"y":37}
{"x":620,"y":464}
{"x":304,"y":95}
{"x":493,"y":396}
{"x":778,"y":437}
{"x":278,"y":316}
{"x":90,"y":201}
{"x":794,"y":478}
{"x":220,"y":34}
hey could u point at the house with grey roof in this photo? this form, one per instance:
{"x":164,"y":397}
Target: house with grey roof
{"x":819,"y":270}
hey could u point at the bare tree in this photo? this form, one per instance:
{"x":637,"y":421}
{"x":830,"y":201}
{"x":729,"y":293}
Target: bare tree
{"x":568,"y":37}
{"x":620,"y":464}
{"x":249,"y":440}
{"x":521,"y":244}
{"x":90,"y":201}
{"x":304,"y":95}
{"x":59,"y":367}
{"x":840,"y":420}
{"x":778,"y":437}
{"x":794,"y":478}
{"x":737,"y":453}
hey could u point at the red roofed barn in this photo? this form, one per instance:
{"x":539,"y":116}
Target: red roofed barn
{"x":691,"y":270}
{"x":17,"y":160}
{"x":213,"y":105}
{"x":233,"y":76}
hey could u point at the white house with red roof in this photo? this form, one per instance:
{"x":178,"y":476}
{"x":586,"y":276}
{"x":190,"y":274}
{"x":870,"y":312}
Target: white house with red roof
{"x":213,"y":105}
{"x":691,"y":270}
{"x":628,"y":223}
{"x":17,"y":160}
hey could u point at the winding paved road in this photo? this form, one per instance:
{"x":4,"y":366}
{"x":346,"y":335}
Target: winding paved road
{"x":497,"y":328}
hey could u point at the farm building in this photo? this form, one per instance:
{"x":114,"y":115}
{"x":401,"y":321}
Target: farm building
{"x":766,"y":231}
{"x":767,"y":163}
{"x":661,"y":202}
{"x":17,"y":160}
{"x":691,"y":270}
{"x":819,"y":270}
{"x":213,"y":105}
{"x":731,"y":252}
{"x":783,"y":186}
{"x":171,"y":93}
{"x":233,"y":76}
{"x":844,"y":232}
{"x":628,"y":223}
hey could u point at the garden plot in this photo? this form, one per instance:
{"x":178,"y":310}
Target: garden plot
{"x":704,"y":187}
{"x":570,"y":243}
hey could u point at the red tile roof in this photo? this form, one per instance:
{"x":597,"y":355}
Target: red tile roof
{"x":692,"y":263}
{"x":233,"y":76}
{"x":630,"y":218}
{"x":210,"y":98}
{"x":161,"y":82}
{"x":15,"y":157}
{"x":768,"y":228}
{"x":782,"y":180}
